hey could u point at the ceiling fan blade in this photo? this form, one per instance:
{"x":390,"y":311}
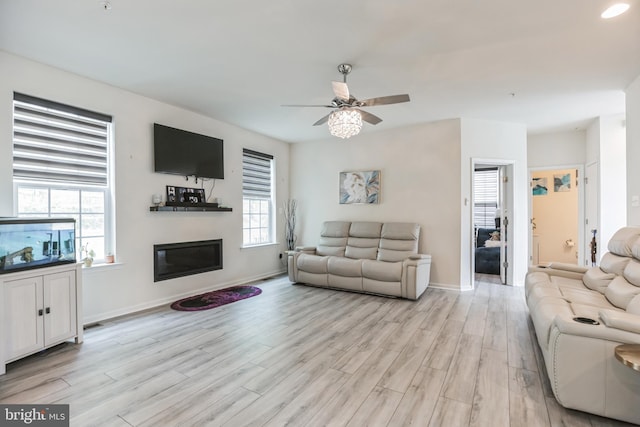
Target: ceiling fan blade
{"x":303,"y":105}
{"x":368,"y":117}
{"x":341,"y":90}
{"x":323,"y":120}
{"x":384,"y":100}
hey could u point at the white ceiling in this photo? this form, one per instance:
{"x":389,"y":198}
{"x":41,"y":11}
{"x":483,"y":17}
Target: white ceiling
{"x":551,"y":64}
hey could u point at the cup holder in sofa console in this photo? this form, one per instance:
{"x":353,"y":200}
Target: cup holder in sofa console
{"x":586,"y":320}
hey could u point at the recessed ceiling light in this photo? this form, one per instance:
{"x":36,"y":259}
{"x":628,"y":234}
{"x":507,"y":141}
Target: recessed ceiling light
{"x":615,"y":10}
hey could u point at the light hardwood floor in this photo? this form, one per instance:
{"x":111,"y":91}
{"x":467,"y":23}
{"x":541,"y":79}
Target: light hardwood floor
{"x":303,"y":356}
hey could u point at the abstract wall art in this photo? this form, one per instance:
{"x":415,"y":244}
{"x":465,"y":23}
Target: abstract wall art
{"x":359,"y":187}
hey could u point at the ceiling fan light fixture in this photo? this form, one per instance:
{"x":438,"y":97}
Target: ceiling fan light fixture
{"x":615,"y":10}
{"x":345,"y":123}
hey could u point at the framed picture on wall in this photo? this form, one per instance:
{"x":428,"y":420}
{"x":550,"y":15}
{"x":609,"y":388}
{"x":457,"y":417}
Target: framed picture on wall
{"x":539,"y":186}
{"x":562,"y":182}
{"x":359,"y":187}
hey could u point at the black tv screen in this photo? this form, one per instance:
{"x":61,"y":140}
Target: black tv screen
{"x":185,"y":153}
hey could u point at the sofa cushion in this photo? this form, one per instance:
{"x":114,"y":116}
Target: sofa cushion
{"x":398,"y":240}
{"x":622,"y":241}
{"x":635,"y":249}
{"x":634,"y":305}
{"x":586,"y":297}
{"x":620,"y":292}
{"x":312,"y":263}
{"x":365,"y":229}
{"x":597,"y":280}
{"x":611,"y":263}
{"x":382,"y":271}
{"x":344,"y":266}
{"x":333,"y":238}
{"x":335,"y":229}
{"x":632,"y":272}
{"x":356,"y":252}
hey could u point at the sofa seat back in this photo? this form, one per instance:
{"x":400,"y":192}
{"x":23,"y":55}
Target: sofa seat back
{"x":398,"y":241}
{"x":363,"y":240}
{"x":333,"y":238}
{"x":390,"y":242}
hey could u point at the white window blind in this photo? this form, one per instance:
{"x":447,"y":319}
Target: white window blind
{"x":485,"y":193}
{"x":57,"y":143}
{"x":257,"y":198}
{"x":256,"y":175}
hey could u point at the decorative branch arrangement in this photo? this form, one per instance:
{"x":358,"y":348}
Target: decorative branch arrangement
{"x":289,"y":209}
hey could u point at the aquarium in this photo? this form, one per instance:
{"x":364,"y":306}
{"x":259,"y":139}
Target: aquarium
{"x":35,"y":243}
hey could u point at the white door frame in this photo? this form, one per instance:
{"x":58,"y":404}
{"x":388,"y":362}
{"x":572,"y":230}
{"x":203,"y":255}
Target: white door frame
{"x":509,"y":208}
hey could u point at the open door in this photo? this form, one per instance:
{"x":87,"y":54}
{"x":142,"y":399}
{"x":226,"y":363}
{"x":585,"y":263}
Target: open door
{"x":491,"y":226}
{"x":556,"y":215}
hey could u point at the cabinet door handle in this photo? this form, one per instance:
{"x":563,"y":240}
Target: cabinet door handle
{"x":40,"y":312}
{"x":47,"y":310}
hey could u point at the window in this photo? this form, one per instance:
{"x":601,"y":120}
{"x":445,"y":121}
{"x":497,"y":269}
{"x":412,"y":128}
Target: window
{"x":60,"y":167}
{"x":485,"y":193}
{"x":257,"y":198}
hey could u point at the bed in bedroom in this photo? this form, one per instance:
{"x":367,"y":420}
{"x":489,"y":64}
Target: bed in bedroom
{"x":487,"y":252}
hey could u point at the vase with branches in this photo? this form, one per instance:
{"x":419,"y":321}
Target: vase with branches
{"x":289,"y":209}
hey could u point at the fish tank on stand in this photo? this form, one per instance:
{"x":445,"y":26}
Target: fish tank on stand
{"x":28,"y":243}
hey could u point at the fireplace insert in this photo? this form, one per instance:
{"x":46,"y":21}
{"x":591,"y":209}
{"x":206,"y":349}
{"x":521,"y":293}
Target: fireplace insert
{"x":185,"y":258}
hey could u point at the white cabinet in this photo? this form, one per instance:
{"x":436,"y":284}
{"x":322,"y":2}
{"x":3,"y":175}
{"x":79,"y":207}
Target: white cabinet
{"x":40,"y":308}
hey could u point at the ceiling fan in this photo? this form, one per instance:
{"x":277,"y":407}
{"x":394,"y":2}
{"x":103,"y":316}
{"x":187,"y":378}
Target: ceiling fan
{"x":347,"y":118}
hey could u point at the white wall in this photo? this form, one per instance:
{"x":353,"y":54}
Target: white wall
{"x":556,"y":149}
{"x":420,"y":182}
{"x":119,"y":289}
{"x":633,"y":151}
{"x":606,"y":141}
{"x":613,"y":182}
{"x":495,"y":142}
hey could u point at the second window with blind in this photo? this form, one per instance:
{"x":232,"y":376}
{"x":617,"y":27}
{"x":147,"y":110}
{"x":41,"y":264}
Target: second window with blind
{"x":257,"y":198}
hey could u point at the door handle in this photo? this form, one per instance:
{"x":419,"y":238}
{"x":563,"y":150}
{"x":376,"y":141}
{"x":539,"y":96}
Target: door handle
{"x":47,"y":310}
{"x":40,"y":312}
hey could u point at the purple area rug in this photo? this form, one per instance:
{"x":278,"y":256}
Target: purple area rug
{"x":216,"y":298}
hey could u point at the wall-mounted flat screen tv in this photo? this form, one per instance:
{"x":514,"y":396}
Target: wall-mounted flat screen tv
{"x":185,"y":153}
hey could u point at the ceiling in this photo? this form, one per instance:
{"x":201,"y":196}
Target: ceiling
{"x":550,"y":64}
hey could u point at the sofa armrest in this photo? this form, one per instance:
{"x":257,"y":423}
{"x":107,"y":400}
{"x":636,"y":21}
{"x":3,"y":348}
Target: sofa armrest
{"x":306,"y":249}
{"x":552,"y":271}
{"x":573,"y":268}
{"x":566,"y":325}
{"x":620,"y":320}
{"x":417,"y":257}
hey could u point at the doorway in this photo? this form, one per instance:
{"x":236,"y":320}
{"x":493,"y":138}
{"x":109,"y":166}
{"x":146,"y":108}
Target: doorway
{"x":491,"y":203}
{"x":555,"y":201}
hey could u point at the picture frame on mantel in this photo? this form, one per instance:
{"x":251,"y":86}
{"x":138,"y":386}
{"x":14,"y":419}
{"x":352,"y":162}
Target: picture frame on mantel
{"x":185,"y":195}
{"x":361,"y":187}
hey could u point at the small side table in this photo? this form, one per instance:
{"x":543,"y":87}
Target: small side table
{"x":629,"y":354}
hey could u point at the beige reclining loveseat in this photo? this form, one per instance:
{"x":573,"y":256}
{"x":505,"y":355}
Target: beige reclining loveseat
{"x":580,"y":316}
{"x":372,"y":257}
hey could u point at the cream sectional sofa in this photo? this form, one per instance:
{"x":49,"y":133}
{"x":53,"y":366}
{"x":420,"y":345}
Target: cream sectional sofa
{"x":580,"y":357}
{"x":372,"y":257}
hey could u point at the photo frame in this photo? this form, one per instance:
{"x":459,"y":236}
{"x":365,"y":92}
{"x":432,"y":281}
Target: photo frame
{"x":360,"y":187}
{"x":184,"y":195}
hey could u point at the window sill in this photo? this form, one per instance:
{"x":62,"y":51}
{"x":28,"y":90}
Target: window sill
{"x":103,"y":267}
{"x":262,"y":245}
